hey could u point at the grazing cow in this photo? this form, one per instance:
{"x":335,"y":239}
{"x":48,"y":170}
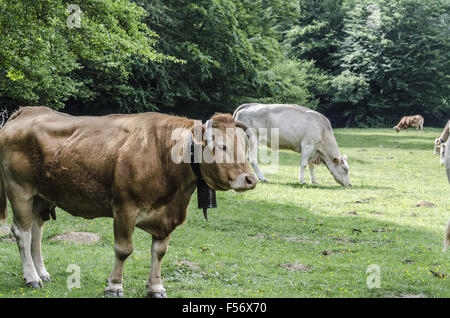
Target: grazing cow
{"x":301,"y":130}
{"x":410,"y":121}
{"x":440,"y":143}
{"x":117,"y":166}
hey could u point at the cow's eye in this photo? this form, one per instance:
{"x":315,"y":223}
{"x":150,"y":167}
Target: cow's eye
{"x":224,"y":148}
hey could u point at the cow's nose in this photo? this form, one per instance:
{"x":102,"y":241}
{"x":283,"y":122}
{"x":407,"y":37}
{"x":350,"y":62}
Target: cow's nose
{"x":245,"y":181}
{"x":250,"y":181}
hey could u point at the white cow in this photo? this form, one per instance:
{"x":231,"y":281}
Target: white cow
{"x":301,"y":130}
{"x":441,"y":145}
{"x":447,"y":237}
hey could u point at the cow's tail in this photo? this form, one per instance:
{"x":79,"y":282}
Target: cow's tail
{"x":235,"y":114}
{"x":447,"y":237}
{"x":3,"y":202}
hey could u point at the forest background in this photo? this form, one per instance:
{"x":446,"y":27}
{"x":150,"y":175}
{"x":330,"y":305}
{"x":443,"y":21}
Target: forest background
{"x":361,"y":63}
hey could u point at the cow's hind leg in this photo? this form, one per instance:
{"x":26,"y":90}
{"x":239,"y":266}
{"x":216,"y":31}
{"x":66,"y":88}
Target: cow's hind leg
{"x":22,"y":230}
{"x":306,"y":151}
{"x":36,"y":250}
{"x":123,"y":247}
{"x":155,"y":286}
{"x":447,"y":237}
{"x":253,"y":159}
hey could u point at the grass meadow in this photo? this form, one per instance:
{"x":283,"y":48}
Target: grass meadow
{"x":254,"y":242}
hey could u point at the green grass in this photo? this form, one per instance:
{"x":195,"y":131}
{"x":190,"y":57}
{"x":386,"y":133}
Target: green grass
{"x":238,"y":253}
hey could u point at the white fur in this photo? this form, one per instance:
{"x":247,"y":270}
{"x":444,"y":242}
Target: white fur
{"x":447,"y":237}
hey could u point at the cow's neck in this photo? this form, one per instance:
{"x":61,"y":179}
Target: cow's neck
{"x":180,"y":171}
{"x":329,"y":149}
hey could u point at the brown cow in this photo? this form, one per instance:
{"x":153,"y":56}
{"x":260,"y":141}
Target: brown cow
{"x":410,"y":121}
{"x":117,"y":166}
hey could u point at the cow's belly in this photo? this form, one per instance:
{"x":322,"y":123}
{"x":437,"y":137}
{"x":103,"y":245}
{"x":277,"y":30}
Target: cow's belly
{"x":283,"y":141}
{"x":84,"y":198}
{"x":78,"y":205}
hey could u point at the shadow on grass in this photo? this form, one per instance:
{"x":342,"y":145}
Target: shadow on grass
{"x":297,"y":185}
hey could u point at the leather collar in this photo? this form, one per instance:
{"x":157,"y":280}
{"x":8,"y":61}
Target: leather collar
{"x":206,"y":197}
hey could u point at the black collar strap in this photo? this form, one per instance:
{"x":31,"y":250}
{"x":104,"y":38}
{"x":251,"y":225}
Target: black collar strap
{"x":195,"y":165}
{"x":442,"y":141}
{"x":206,"y":196}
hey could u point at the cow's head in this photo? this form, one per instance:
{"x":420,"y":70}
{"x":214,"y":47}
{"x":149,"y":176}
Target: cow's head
{"x":397,"y":129}
{"x":224,"y":165}
{"x":339,"y":169}
{"x":437,"y":146}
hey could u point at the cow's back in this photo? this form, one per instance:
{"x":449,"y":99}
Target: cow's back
{"x":72,"y":160}
{"x":295,"y":123}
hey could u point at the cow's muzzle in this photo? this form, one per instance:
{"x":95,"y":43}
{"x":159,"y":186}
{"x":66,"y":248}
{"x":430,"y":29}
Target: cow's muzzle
{"x":245,"y":181}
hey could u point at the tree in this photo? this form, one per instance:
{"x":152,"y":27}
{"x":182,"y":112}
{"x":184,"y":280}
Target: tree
{"x":42,"y":45}
{"x":225,"y":49}
{"x":317,"y":33}
{"x":399,"y":51}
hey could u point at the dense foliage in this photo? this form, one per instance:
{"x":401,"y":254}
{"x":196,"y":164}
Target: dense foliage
{"x":362,"y":63}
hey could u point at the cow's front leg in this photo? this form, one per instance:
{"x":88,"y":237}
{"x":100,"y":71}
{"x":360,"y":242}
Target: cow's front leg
{"x":258,"y":172}
{"x":123,"y":247}
{"x":311,"y":173}
{"x":155,"y":286}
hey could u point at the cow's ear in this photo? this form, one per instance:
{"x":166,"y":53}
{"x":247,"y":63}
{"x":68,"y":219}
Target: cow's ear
{"x":345,"y":157}
{"x":335,"y":160}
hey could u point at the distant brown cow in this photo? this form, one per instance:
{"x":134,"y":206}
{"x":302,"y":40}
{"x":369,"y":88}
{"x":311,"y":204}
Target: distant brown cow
{"x":410,"y":121}
{"x":117,"y":166}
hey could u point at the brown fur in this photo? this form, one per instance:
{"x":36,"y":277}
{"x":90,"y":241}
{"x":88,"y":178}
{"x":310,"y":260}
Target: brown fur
{"x":116,"y":166}
{"x":410,"y":121}
{"x":3,"y":203}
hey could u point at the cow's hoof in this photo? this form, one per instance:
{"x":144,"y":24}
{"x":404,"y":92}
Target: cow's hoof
{"x":151,"y":294}
{"x":35,"y":285}
{"x":114,"y":293}
{"x":45,"y":278}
